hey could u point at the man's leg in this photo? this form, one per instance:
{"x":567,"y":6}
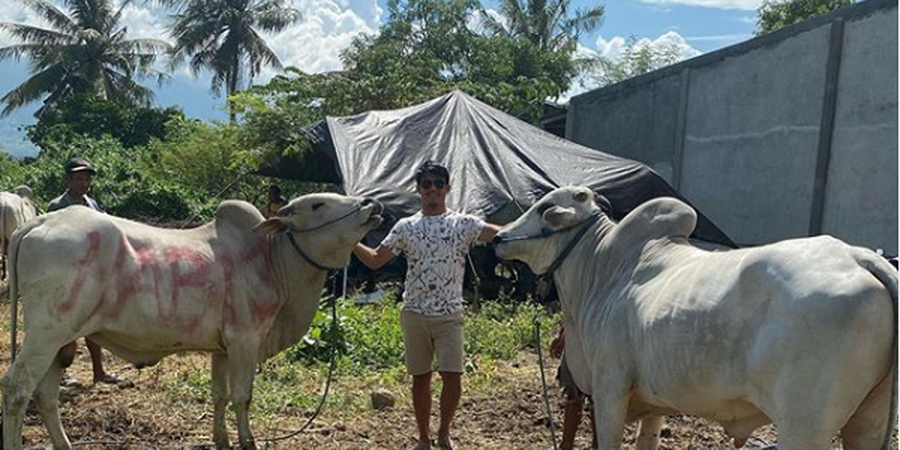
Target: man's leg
{"x":419,"y":353}
{"x":574,"y":404}
{"x":421,"y":393}
{"x":450,"y":394}
{"x":448,"y":341}
{"x":100,"y":375}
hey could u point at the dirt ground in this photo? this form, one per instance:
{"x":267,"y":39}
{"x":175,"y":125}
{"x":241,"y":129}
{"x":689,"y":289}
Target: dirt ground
{"x":512,"y":417}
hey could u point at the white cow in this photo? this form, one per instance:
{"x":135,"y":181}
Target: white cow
{"x":15,"y":209}
{"x":238,"y":287}
{"x":800,"y":333}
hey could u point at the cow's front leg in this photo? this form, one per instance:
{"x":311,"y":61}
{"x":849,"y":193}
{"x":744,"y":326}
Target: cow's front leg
{"x":241,"y":368}
{"x":220,"y":399}
{"x":648,"y":435}
{"x":610,"y":410}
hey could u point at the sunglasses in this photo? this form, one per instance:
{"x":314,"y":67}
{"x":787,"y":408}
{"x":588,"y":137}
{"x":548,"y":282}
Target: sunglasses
{"x":427,"y":184}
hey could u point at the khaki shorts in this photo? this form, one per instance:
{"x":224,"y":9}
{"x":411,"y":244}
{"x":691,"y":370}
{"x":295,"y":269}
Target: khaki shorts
{"x":424,"y":335}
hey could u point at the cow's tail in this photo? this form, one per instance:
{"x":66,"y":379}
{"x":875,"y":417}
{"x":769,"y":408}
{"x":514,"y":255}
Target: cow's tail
{"x":887,"y":275}
{"x":13,"y":259}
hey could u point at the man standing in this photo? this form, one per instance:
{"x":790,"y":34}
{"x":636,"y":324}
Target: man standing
{"x":435,"y":241}
{"x":79,"y":174}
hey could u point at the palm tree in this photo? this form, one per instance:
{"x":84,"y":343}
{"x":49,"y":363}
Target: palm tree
{"x":84,"y":51}
{"x":222,"y":36}
{"x":546,"y":23}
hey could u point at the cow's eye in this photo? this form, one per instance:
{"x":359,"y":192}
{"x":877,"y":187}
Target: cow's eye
{"x":317,"y":206}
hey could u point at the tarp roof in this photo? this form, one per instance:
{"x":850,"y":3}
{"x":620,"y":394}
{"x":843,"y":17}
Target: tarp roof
{"x":496,"y":161}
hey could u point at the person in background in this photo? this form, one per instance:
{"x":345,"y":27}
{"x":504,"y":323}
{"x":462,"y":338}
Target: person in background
{"x":572,"y":396}
{"x":276,"y":200}
{"x":79,"y":175}
{"x":435,"y":242}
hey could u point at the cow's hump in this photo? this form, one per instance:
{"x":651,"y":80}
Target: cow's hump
{"x":658,"y":218}
{"x":239,"y":214}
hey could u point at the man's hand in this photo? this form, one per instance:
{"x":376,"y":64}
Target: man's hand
{"x":489,"y":231}
{"x":557,"y":345}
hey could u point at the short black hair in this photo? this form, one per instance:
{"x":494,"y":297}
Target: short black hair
{"x":433,"y":168}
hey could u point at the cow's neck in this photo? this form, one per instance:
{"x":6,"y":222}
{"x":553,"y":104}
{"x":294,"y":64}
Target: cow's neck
{"x":577,"y":274}
{"x":299,"y":286}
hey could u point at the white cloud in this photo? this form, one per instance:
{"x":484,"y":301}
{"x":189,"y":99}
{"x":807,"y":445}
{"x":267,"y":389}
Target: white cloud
{"x":313,"y":43}
{"x":613,"y":48}
{"x":747,"y":5}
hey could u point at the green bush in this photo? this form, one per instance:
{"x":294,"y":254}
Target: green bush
{"x":369,"y":337}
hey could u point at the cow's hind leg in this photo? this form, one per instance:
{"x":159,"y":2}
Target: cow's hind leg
{"x":19,"y":384}
{"x":648,"y":434}
{"x":867,"y":428}
{"x":47,"y":398}
{"x":241,"y":367}
{"x":220,"y":399}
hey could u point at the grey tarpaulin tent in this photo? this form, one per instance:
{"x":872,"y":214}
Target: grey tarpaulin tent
{"x":499,"y":165}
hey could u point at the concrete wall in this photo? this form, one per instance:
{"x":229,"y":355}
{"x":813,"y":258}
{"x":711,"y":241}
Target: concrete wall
{"x":787,"y":135}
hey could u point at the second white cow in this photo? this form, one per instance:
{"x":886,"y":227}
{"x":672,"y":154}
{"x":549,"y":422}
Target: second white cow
{"x":16,"y":208}
{"x":240,"y":287}
{"x":800,"y":333}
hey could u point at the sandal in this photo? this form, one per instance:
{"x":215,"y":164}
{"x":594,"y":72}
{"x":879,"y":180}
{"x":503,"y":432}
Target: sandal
{"x":110,"y":378}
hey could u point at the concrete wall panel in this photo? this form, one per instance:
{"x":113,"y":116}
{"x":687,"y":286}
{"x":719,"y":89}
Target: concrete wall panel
{"x":751,"y":138}
{"x":862,"y":176}
{"x":750,"y":141}
{"x":641,"y":121}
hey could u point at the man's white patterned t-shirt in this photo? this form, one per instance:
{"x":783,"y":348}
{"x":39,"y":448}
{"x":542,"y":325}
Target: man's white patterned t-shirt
{"x":435,"y":248}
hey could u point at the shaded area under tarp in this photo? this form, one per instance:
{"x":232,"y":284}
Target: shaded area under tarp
{"x":499,"y":165}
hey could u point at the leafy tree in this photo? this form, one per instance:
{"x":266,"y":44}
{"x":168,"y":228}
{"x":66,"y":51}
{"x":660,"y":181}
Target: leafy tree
{"x":636,"y":59}
{"x":424,"y":49}
{"x":84,"y":51}
{"x":548,"y":24}
{"x":774,"y":15}
{"x":95,"y":117}
{"x":223,"y":37}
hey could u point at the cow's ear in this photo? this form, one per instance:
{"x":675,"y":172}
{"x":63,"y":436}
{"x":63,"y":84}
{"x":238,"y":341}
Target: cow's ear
{"x":558,"y":217}
{"x":272,"y":225}
{"x":603,"y":202}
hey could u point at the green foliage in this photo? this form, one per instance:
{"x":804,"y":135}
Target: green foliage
{"x":11,"y":172}
{"x":774,"y":15}
{"x":178,"y":181}
{"x":425,"y":49}
{"x":82,"y":51}
{"x":549,"y":25}
{"x":637,"y":59}
{"x":91,"y":116}
{"x":369,"y":337}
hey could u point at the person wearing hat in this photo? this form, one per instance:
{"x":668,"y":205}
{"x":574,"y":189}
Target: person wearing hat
{"x":79,"y":174}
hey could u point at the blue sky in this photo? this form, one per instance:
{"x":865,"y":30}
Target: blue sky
{"x":328,"y":26}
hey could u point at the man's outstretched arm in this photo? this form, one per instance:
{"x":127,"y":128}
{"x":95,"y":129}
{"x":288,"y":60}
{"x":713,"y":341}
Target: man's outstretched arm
{"x":488,"y":231}
{"x":373,"y":258}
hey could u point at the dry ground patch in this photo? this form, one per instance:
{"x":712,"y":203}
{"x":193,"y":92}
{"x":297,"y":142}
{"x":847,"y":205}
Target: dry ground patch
{"x":169,"y":407}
